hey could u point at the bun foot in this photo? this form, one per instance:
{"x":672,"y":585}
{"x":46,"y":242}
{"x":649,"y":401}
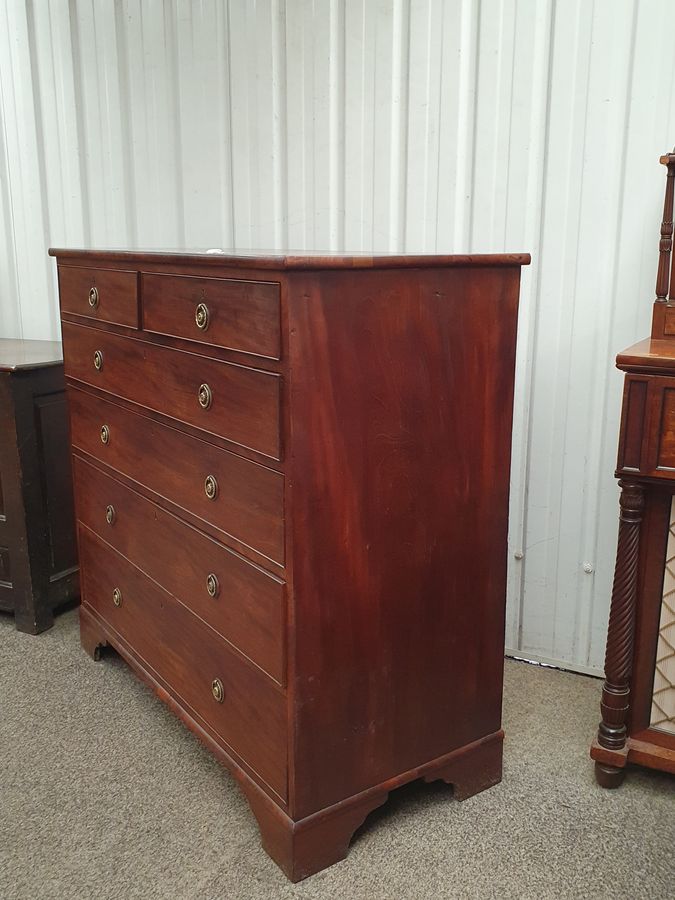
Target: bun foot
{"x":609,"y":776}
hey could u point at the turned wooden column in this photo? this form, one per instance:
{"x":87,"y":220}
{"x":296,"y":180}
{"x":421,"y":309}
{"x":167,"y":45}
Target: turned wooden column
{"x":663,"y":278}
{"x":621,"y":631}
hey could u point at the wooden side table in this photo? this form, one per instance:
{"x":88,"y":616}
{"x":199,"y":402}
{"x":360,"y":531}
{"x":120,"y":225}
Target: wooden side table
{"x":638,"y":698}
{"x":38,"y":551}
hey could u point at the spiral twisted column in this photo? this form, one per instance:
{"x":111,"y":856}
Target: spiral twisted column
{"x":621,"y":631}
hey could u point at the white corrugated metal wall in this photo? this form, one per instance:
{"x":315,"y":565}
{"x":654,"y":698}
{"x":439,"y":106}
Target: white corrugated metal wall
{"x":449,"y":125}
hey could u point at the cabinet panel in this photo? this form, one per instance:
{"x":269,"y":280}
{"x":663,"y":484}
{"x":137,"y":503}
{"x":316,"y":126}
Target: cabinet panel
{"x":633,"y":422}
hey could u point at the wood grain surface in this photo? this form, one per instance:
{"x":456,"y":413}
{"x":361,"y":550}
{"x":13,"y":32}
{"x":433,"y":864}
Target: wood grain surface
{"x":249,"y":507}
{"x":251,"y":720}
{"x":240,"y":315}
{"x":245,"y":405}
{"x":117,"y":294}
{"x":401,"y":406}
{"x":359,"y":529}
{"x":249,"y":609}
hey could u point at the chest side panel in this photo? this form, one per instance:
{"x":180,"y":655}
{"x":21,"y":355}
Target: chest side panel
{"x":401,"y":408}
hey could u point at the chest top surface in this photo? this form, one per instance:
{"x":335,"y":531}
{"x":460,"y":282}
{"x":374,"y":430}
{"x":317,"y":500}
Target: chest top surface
{"x":288,"y":259}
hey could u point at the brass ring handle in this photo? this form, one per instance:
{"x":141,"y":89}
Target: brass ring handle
{"x":212,"y":585}
{"x":93,"y":297}
{"x":211,"y":487}
{"x":105,"y":434}
{"x":98,"y":360}
{"x":110,"y":514}
{"x":205,"y":396}
{"x":218,"y":690}
{"x":202,"y":316}
{"x":117,"y":596}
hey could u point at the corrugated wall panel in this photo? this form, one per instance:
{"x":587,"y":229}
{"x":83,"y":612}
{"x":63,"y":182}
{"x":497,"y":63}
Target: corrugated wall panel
{"x":448,"y":125}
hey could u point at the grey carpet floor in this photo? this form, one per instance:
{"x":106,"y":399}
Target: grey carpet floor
{"x":105,"y":795}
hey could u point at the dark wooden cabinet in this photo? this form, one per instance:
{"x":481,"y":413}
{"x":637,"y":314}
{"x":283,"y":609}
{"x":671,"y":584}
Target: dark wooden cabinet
{"x":291,"y":481}
{"x":38,"y":554}
{"x":638,"y":698}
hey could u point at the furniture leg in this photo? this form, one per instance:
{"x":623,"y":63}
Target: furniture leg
{"x":621,"y":631}
{"x":33,"y":615}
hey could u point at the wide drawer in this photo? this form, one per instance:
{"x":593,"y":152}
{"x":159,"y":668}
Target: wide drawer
{"x":233,"y":402}
{"x":249,"y":501}
{"x":239,"y":315}
{"x":197,"y":665}
{"x":240,"y":601}
{"x":110,"y":295}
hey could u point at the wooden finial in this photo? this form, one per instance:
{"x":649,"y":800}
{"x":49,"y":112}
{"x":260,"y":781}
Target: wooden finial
{"x":666,"y":242}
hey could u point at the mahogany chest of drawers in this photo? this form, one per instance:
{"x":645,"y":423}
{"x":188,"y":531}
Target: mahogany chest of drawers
{"x":291,"y":483}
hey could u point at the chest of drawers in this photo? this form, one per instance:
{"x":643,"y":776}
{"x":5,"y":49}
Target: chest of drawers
{"x":291,"y":483}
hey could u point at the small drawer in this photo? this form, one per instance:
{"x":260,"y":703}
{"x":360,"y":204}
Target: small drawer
{"x":110,"y":295}
{"x":237,"y":315}
{"x":240,"y":601}
{"x":237,"y":701}
{"x":249,"y":502}
{"x":233,"y":402}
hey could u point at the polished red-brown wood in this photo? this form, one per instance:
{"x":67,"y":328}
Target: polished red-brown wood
{"x":245,"y":402}
{"x":187,"y":656}
{"x":178,"y":261}
{"x":249,"y":607}
{"x":249,"y":505}
{"x":612,"y":732}
{"x":663,"y":276}
{"x":399,"y":573}
{"x":646,"y":467}
{"x":115,"y":299}
{"x":238,"y":315}
{"x":381,"y":624}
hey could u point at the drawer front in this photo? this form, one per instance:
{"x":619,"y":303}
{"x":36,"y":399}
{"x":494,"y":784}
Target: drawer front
{"x":251,"y":719}
{"x":110,"y":295}
{"x":239,"y":315}
{"x":248,"y":505}
{"x":248,"y":606}
{"x":240,"y":404}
